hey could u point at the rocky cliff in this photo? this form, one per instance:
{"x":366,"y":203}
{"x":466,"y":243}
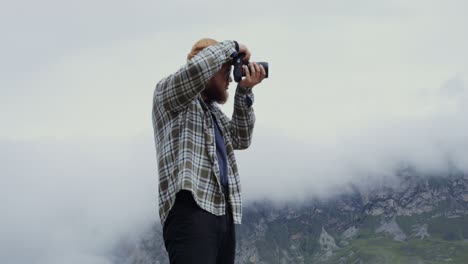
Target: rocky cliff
{"x":415,"y":219}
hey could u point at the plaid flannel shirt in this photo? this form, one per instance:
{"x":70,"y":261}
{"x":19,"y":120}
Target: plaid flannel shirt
{"x":185,"y":138}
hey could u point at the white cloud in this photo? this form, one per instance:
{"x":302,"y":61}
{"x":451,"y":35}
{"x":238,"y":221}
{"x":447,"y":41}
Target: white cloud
{"x":355,"y":89}
{"x":337,"y":71}
{"x":70,"y":201}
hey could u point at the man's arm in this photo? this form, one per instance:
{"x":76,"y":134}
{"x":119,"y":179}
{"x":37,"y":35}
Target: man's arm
{"x":243,"y":118}
{"x":177,"y":90}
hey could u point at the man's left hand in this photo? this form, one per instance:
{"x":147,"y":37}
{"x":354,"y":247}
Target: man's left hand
{"x":252,"y":78}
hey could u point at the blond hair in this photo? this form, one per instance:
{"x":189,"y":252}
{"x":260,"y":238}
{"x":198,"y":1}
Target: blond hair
{"x":200,"y":45}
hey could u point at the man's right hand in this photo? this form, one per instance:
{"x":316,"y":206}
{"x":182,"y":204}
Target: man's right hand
{"x":245,"y":50}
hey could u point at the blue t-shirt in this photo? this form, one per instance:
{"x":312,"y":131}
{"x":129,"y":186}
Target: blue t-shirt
{"x":221,"y":155}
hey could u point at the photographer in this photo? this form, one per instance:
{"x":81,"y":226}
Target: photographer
{"x":199,"y":186}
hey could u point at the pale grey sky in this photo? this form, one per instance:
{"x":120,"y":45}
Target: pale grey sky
{"x":355,"y":89}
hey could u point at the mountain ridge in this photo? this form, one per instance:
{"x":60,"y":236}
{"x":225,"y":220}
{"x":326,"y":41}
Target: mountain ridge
{"x":416,"y":219}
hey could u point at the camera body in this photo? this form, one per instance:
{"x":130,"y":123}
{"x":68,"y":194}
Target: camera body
{"x":238,"y":61}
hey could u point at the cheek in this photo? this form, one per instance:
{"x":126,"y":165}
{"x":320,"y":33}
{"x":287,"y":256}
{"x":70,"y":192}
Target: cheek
{"x":220,"y":81}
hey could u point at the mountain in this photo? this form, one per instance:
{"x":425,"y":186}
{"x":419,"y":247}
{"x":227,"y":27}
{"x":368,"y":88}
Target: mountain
{"x":415,"y":219}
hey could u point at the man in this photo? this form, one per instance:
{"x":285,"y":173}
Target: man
{"x":199,"y":187}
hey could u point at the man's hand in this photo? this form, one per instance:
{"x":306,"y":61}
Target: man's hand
{"x":245,"y":50}
{"x":252,"y":78}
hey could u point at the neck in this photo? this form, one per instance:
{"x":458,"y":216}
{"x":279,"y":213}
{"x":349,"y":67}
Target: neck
{"x":204,"y":97}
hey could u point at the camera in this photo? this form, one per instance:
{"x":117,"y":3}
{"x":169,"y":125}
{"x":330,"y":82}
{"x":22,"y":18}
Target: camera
{"x":237,"y":62}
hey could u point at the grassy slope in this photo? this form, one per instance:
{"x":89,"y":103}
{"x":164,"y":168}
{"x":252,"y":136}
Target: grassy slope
{"x":447,"y":243}
{"x":385,"y":250}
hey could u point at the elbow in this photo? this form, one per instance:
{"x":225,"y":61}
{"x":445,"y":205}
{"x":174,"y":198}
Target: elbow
{"x":242,"y":147}
{"x":162,"y":98}
{"x":242,"y":138}
{"x":242,"y":144}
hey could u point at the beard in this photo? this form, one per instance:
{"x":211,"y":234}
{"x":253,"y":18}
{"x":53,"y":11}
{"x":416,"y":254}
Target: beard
{"x":214,"y":93}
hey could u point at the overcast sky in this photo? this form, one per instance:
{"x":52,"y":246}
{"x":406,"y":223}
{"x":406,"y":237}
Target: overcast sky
{"x":356,"y":89}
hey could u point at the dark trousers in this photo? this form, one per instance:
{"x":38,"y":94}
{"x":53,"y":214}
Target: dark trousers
{"x":193,"y":235}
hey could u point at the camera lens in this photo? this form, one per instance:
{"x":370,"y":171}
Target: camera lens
{"x":265,"y":66}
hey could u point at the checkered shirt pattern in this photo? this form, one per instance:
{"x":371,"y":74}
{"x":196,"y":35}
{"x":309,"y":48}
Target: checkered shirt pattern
{"x":185,"y":138}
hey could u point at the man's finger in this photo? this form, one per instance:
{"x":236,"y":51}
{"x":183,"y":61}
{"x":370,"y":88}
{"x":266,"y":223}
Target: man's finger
{"x":247,"y":56}
{"x":263,"y":70}
{"x":252,"y":66}
{"x":247,"y":72}
{"x":258,"y":69}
